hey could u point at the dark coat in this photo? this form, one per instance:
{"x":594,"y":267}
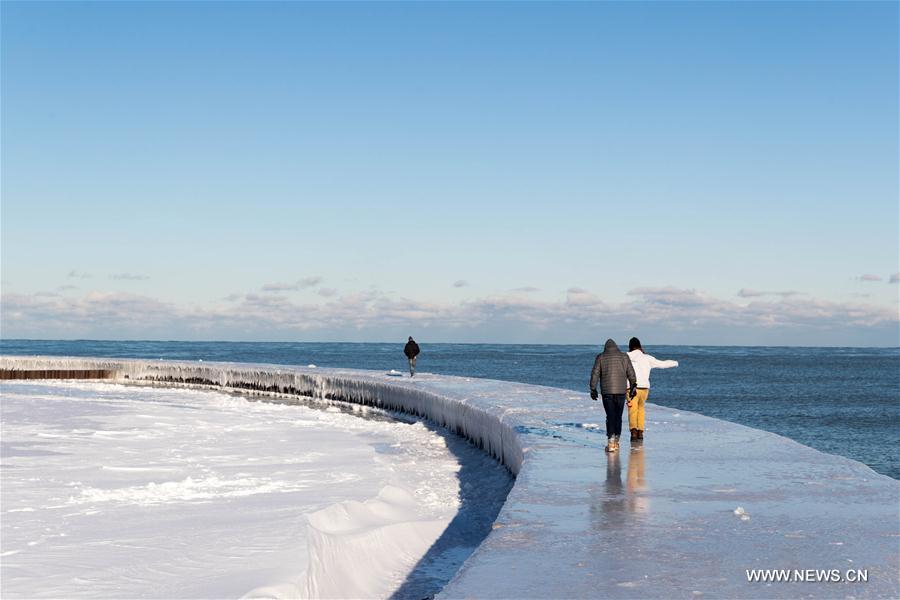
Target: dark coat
{"x":411,"y":350}
{"x":612,"y":367}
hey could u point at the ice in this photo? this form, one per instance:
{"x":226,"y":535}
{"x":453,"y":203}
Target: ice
{"x":214,"y":496}
{"x":342,"y":538}
{"x":657,"y":519}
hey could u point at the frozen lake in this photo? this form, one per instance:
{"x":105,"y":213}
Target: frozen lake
{"x":112,"y":490}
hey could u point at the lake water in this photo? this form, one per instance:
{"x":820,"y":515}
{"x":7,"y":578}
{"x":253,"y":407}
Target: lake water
{"x":840,"y":400}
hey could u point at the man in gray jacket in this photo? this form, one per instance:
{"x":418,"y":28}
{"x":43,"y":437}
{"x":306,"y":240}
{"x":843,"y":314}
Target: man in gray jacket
{"x":613,"y":369}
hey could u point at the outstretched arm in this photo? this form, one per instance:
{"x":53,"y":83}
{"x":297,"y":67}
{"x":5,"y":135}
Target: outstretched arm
{"x":661,"y":364}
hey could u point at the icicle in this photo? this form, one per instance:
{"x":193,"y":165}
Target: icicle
{"x":485,"y":426}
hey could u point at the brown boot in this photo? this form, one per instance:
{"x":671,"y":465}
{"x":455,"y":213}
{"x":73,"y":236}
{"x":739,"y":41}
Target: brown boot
{"x":634,"y":434}
{"x":640,"y":434}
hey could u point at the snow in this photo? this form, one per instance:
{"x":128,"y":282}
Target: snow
{"x":123,"y":491}
{"x":657,"y":519}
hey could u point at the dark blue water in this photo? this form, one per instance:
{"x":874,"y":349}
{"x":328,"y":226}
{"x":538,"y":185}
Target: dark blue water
{"x":840,"y":400}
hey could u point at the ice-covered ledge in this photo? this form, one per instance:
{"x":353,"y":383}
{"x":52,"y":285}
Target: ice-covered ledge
{"x":652,"y":522}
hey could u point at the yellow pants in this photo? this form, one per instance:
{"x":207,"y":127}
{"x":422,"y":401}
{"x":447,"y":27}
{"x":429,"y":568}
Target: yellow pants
{"x":636,"y":409}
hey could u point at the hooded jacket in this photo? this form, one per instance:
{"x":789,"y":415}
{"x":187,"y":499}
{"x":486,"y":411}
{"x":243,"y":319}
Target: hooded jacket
{"x":411,"y":350}
{"x":613,"y":368}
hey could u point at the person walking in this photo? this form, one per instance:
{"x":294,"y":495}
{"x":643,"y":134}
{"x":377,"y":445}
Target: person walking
{"x":612,"y":368}
{"x":411,"y":350}
{"x":642,"y":363}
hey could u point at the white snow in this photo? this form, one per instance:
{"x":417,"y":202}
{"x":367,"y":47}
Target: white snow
{"x":571,"y":526}
{"x":121,"y":491}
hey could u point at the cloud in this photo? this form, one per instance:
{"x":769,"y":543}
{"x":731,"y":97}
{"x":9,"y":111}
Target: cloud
{"x":280,"y":287}
{"x":66,"y":316}
{"x":869,"y":277}
{"x":233,"y":297}
{"x":65,"y":288}
{"x":528,"y":289}
{"x":748,"y":293}
{"x":895,"y":278}
{"x":672,"y":297}
{"x":129,"y":277}
{"x":73,"y":274}
{"x":580,"y":297}
{"x":327,"y":292}
{"x":683,"y":314}
{"x":459,"y":283}
{"x":309,"y":282}
{"x":300,"y":284}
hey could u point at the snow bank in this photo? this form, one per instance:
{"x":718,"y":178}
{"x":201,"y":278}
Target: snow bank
{"x":486,"y":429}
{"x":342,"y":538}
{"x":127,"y":491}
{"x":657,"y":519}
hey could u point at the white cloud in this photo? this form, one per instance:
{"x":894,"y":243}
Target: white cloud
{"x":300,"y":284}
{"x":73,"y":274}
{"x":681,"y":312}
{"x":279,"y":287}
{"x":129,"y":277}
{"x":309,"y":281}
{"x":460,"y":283}
{"x":528,"y":289}
{"x":579,"y":297}
{"x":748,"y":293}
{"x":869,"y":277}
{"x":895,"y":278}
{"x":673,"y":297}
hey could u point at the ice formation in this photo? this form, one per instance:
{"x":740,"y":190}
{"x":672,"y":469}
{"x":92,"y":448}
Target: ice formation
{"x":126,"y":491}
{"x":657,"y":519}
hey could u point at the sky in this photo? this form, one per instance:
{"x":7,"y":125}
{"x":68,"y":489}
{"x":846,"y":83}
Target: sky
{"x":691,"y":173}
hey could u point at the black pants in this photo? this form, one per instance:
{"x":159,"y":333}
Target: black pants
{"x":614,"y":405}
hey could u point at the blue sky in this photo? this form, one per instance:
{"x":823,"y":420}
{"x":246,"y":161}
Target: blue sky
{"x":722,"y":173}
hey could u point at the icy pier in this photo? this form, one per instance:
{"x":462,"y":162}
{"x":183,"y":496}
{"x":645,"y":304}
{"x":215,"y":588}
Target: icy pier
{"x":695,"y":511}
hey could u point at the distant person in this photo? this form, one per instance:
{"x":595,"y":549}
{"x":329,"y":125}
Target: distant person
{"x":613,"y":368}
{"x":411,"y":350}
{"x":642,"y":363}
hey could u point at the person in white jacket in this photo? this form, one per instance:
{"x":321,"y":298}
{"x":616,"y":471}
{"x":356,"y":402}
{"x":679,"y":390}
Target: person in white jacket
{"x":642,"y":364}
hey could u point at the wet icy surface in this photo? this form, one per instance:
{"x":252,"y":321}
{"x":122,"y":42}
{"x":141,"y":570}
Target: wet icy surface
{"x":660,"y":520}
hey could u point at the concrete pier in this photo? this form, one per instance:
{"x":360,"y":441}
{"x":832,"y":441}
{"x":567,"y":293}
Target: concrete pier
{"x":692,"y":512}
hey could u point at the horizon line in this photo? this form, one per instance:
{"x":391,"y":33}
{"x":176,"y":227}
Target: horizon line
{"x":2,"y":340}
